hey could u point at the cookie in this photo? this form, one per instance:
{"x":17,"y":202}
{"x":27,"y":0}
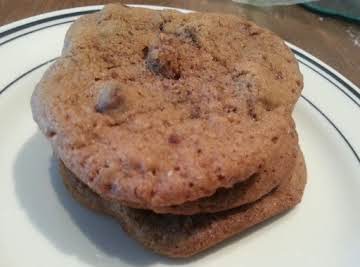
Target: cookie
{"x":274,"y":171}
{"x":184,"y":236}
{"x":271,"y":174}
{"x":159,"y":108}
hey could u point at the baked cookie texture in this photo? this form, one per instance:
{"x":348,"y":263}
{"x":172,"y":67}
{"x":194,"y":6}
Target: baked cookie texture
{"x":158,"y":108}
{"x":184,"y":236}
{"x":271,"y":174}
{"x":178,"y":125}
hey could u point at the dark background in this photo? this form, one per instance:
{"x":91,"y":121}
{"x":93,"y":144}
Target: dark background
{"x":335,"y":41}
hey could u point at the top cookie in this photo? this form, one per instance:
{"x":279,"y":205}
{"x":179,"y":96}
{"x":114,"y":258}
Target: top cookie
{"x":157,"y":108}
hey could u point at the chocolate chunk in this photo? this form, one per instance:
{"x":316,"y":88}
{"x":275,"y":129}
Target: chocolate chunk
{"x":109,"y":97}
{"x":189,"y":33}
{"x":163,"y":61}
{"x":174,"y":139}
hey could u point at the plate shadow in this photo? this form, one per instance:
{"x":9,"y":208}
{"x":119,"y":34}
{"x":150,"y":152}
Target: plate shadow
{"x":71,"y":228}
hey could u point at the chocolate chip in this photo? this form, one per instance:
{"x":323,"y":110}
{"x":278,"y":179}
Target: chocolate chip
{"x":161,"y":26}
{"x":189,"y":33}
{"x":109,"y":97}
{"x":174,"y":139}
{"x":50,"y":133}
{"x":153,"y":64}
{"x":274,"y":139}
{"x":163,"y":62}
{"x":145,"y":51}
{"x":230,"y":109}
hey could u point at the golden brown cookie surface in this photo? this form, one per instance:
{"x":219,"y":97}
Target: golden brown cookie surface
{"x":161,"y":108}
{"x":274,"y":171}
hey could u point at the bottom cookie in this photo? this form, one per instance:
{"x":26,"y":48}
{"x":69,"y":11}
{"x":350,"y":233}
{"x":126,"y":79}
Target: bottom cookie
{"x":183,"y":236}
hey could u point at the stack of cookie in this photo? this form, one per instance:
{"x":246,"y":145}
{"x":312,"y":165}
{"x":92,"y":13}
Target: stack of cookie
{"x":178,"y":125}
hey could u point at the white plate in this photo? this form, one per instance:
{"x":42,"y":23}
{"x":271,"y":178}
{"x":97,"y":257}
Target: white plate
{"x":41,"y":225}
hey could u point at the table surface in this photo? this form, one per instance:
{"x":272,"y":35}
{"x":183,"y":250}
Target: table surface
{"x":334,"y":41}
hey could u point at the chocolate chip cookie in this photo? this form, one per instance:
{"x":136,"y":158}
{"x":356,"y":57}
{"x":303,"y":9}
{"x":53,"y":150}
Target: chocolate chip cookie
{"x":160,"y":108}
